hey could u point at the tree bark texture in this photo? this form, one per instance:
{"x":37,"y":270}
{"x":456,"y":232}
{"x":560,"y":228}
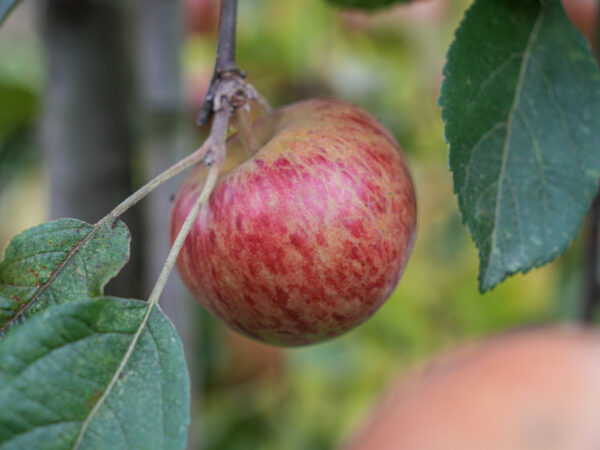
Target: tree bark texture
{"x":86,"y":133}
{"x":164,"y":140}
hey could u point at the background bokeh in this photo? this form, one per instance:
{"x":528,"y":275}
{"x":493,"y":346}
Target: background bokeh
{"x":250,"y":396}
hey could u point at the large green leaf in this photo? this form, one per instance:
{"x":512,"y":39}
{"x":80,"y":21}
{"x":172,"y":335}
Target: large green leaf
{"x":58,"y":262}
{"x":56,"y":370}
{"x":521,"y":106}
{"x":365,"y":4}
{"x":6,"y":7}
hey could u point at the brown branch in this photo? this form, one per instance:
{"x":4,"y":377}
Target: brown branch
{"x":225,"y":61}
{"x":225,"y":65}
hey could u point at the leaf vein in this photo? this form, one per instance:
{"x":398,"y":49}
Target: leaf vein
{"x":74,"y":250}
{"x":506,"y":148}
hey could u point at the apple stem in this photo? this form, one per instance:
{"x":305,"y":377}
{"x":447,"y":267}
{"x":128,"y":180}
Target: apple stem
{"x":226,"y":69}
{"x":242,"y":117}
{"x":226,"y":45}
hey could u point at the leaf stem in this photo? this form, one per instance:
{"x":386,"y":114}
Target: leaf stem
{"x":242,"y":117}
{"x":228,"y":92}
{"x":218,"y":137}
{"x":216,"y":143}
{"x":187,"y":162}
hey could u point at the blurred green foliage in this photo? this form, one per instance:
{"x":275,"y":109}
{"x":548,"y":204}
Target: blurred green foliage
{"x":19,"y":96}
{"x":21,"y":75}
{"x":18,"y":110}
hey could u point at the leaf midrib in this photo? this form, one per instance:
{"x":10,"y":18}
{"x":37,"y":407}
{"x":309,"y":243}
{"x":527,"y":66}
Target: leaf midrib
{"x":527,"y":55}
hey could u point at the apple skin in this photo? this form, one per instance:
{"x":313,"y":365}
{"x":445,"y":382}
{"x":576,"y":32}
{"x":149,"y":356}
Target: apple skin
{"x":308,"y":237}
{"x":527,"y":390}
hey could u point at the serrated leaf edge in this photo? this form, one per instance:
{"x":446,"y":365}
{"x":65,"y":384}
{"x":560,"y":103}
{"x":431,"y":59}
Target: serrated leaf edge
{"x":74,"y":250}
{"x":482,"y":286}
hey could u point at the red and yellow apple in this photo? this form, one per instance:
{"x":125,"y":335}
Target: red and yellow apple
{"x":418,"y":12}
{"x":525,"y":390}
{"x":309,"y":236}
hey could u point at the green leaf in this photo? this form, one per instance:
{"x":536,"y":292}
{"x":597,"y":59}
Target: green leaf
{"x":59,"y":262}
{"x":55,"y":371}
{"x":6,"y":7}
{"x":521,"y":107}
{"x":365,"y":4}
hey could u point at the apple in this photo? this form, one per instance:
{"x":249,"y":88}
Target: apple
{"x":584,"y":16}
{"x":202,"y":16}
{"x":308,"y":237}
{"x":527,"y":390}
{"x":417,"y":12}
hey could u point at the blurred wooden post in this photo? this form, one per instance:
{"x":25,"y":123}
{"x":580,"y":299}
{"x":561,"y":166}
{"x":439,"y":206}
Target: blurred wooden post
{"x":164,"y":141}
{"x":86,"y":132}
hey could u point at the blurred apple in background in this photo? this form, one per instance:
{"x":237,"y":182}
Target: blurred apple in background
{"x":197,"y":82}
{"x":584,"y":15}
{"x":421,"y":12}
{"x":524,"y":390}
{"x":201,"y":16}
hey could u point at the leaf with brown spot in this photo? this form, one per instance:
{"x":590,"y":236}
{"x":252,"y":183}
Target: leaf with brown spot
{"x":58,"y":262}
